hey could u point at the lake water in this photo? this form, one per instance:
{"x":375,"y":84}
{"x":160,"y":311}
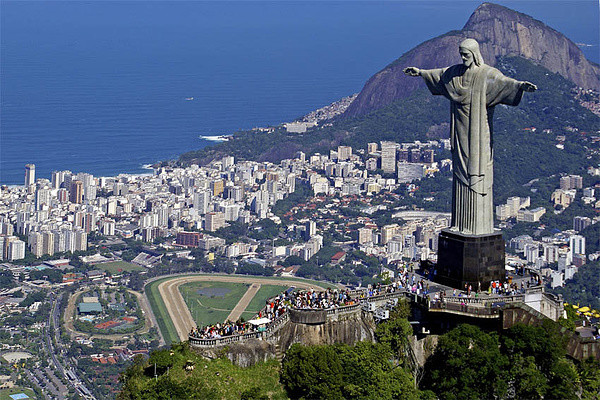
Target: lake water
{"x":101,"y":87}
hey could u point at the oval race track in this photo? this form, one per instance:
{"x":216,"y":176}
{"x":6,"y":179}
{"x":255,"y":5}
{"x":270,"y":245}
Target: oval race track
{"x":180,"y":313}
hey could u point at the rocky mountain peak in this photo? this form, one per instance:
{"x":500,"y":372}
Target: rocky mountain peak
{"x":500,"y":31}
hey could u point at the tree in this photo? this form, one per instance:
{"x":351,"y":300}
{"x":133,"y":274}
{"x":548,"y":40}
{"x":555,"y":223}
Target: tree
{"x":589,"y":373}
{"x":363,"y":371}
{"x":312,"y":372}
{"x":162,"y":359}
{"x":394,"y":334}
{"x":467,"y":364}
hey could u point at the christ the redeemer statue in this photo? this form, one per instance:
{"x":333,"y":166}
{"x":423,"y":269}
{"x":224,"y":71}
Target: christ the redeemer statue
{"x":474,"y":89}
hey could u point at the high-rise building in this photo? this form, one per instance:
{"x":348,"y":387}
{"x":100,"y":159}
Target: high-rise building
{"x":6,"y":228}
{"x":371,"y":148}
{"x":365,"y":235}
{"x":62,"y":195}
{"x":344,"y":153}
{"x":48,"y":246}
{"x":58,"y":178}
{"x":580,"y":223}
{"x":60,"y":241}
{"x":76,"y":193}
{"x":571,"y":182}
{"x":403,"y":155}
{"x":217,"y":187}
{"x":388,"y":157}
{"x":577,"y":244}
{"x":36,"y":243}
{"x":120,"y":189}
{"x":428,"y":156}
{"x":80,"y":240}
{"x":550,"y":253}
{"x":16,"y":250}
{"x":89,"y":222}
{"x":532,"y":252}
{"x":111,"y":206}
{"x":29,"y":175}
{"x":388,"y":232}
{"x":107,"y":227}
{"x":201,"y":201}
{"x":310,"y":229}
{"x":228,"y":161}
{"x":190,"y":239}
{"x":42,"y":197}
{"x":414,"y":156}
{"x":214,"y":221}
{"x":371,"y":164}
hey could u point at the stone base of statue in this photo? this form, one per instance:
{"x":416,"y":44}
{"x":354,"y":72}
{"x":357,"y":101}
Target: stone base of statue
{"x":474,"y":260}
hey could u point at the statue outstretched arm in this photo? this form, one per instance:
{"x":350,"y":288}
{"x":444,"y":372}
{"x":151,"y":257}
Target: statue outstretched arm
{"x":412,"y":71}
{"x":528,"y":86}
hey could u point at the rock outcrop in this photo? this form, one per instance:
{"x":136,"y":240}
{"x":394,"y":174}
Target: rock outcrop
{"x":348,"y":329}
{"x":500,"y":31}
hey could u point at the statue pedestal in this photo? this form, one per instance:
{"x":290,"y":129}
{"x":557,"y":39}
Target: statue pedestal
{"x":470,"y":259}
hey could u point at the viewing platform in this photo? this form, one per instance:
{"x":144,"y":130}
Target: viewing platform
{"x":481,"y":306}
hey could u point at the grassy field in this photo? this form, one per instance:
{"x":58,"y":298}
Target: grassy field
{"x":5,"y":393}
{"x":258,"y":302}
{"x":162,"y":315}
{"x":211,"y":302}
{"x":114,"y":267}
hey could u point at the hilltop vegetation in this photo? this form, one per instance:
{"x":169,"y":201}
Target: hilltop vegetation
{"x":523,"y":362}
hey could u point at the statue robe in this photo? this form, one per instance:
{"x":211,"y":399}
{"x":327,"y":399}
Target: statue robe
{"x":473,"y":94}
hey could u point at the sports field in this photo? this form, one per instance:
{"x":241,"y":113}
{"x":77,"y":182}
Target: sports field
{"x":115,"y":267}
{"x":185,"y":319}
{"x":5,"y":393}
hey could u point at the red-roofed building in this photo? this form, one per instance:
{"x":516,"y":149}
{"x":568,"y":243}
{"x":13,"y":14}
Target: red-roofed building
{"x":338,"y":257}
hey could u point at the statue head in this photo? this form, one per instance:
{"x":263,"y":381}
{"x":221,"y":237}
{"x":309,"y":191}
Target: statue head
{"x":469,"y":52}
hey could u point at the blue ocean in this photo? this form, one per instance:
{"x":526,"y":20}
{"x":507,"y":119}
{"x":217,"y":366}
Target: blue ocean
{"x":108,"y":86}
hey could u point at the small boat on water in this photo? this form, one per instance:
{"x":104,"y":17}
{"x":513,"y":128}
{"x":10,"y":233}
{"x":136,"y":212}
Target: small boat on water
{"x":189,"y":98}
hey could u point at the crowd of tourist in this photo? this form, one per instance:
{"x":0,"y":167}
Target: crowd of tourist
{"x":301,"y":300}
{"x":220,"y":330}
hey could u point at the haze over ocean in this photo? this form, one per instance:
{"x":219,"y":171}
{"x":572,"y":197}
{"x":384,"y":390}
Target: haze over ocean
{"x":101,"y":87}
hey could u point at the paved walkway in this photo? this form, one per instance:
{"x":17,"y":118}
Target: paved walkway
{"x":239,"y":308}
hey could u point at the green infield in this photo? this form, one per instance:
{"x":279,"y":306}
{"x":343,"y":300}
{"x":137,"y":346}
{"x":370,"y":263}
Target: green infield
{"x":211,"y":302}
{"x":164,"y":320}
{"x":259,"y":301}
{"x":5,"y":393}
{"x":115,"y":267}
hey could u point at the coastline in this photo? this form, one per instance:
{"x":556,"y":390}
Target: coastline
{"x":320,"y":114}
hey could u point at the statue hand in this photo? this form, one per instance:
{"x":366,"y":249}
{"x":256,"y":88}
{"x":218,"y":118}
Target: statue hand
{"x":412,"y":71}
{"x":528,"y":87}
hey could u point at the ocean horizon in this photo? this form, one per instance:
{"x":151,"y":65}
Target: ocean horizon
{"x":112,"y":87}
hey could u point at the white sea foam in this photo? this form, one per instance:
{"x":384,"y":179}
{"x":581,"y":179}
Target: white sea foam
{"x":219,"y":138}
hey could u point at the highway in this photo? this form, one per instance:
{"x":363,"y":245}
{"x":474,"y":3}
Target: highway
{"x":68,"y":372}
